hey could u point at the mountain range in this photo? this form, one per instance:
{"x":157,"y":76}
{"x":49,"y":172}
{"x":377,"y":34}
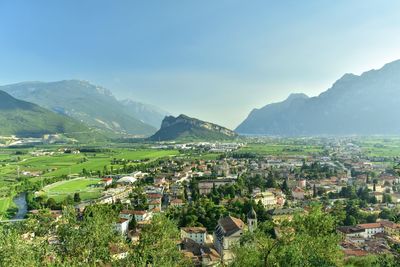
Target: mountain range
{"x":187,"y":128}
{"x":366,"y":104}
{"x":26,"y":119}
{"x":92,"y":105}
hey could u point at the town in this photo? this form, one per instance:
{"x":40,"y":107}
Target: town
{"x":204,"y":198}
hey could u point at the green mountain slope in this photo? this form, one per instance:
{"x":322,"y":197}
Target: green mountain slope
{"x":90,"y":104}
{"x":26,"y":119}
{"x":186,"y":128}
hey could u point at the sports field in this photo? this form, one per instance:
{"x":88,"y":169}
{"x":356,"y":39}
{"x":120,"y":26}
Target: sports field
{"x":86,"y":187}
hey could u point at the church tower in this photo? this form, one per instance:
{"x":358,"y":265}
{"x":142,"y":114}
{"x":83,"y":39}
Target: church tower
{"x":252,"y":219}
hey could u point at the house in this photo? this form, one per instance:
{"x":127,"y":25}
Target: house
{"x":197,"y":234}
{"x":107,"y":181}
{"x":142,"y":215}
{"x":118,"y":251}
{"x":351,"y":231}
{"x":121,"y":226}
{"x":298,"y":193}
{"x":155,"y":204}
{"x":227,"y":234}
{"x":267,"y":199}
{"x":371,"y":229}
{"x":176,"y":202}
{"x":302,"y":183}
{"x":200,"y":255}
{"x":128,"y":214}
{"x":390,"y":228}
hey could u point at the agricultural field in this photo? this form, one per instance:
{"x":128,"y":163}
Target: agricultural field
{"x":34,"y":164}
{"x":88,"y":188}
{"x":380,"y":147}
{"x":281,"y":149}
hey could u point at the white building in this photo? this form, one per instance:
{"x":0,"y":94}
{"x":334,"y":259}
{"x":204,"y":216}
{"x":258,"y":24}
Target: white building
{"x":371,"y":229}
{"x":142,"y":215}
{"x":121,"y":226}
{"x":267,"y":199}
{"x":226,"y":235}
{"x":197,"y":234}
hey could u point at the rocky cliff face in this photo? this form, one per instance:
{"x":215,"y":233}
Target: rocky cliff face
{"x":184,"y":127}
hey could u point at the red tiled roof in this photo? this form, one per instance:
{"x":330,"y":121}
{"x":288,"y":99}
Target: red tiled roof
{"x":194,"y":229}
{"x":370,"y":225}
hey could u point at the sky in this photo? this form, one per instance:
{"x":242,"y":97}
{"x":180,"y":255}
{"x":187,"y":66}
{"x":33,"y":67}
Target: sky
{"x":213,"y":60}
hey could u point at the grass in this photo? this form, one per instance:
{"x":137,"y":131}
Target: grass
{"x":281,"y":149}
{"x":4,"y":205}
{"x":83,"y":186}
{"x":60,"y":164}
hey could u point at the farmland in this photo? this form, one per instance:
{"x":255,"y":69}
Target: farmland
{"x":54,"y":162}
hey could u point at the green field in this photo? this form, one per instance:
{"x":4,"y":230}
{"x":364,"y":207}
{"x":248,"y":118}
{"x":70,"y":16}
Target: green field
{"x":83,"y":186}
{"x":4,"y":204}
{"x":380,"y":147}
{"x":281,"y":149}
{"x":60,"y":164}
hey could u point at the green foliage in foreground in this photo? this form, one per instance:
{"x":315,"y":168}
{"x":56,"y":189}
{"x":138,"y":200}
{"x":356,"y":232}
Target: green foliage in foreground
{"x":308,"y":240}
{"x":86,"y":241}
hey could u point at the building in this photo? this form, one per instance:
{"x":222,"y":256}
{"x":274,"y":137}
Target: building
{"x":206,"y":186}
{"x":155,"y":204}
{"x":267,"y":199}
{"x":197,"y":234}
{"x":392,"y":229}
{"x":200,"y":255}
{"x":121,"y":226}
{"x":227,"y":234}
{"x":107,"y":181}
{"x":298,"y":193}
{"x":176,"y":202}
{"x":252,"y":220}
{"x":371,"y":229}
{"x":351,"y":231}
{"x":142,"y":215}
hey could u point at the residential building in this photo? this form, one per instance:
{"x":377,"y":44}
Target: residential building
{"x":227,"y":234}
{"x":197,"y":234}
{"x":121,"y":226}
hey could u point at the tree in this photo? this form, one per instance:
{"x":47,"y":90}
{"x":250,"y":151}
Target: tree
{"x":52,"y":204}
{"x":271,"y":182}
{"x":77,"y":198}
{"x":308,"y":240}
{"x":157,"y":245}
{"x":285,"y":187}
{"x":132,"y":224}
{"x":314,"y":191}
{"x":386,"y":198}
{"x":375,"y":182}
{"x":86,"y":241}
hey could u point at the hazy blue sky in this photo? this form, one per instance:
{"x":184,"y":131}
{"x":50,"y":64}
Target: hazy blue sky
{"x":215,"y":60}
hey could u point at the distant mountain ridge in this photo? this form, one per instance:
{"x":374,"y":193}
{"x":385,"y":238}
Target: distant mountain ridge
{"x":147,"y":113}
{"x":187,"y":128}
{"x":361,"y":105}
{"x":26,"y":119}
{"x":94,"y":105}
